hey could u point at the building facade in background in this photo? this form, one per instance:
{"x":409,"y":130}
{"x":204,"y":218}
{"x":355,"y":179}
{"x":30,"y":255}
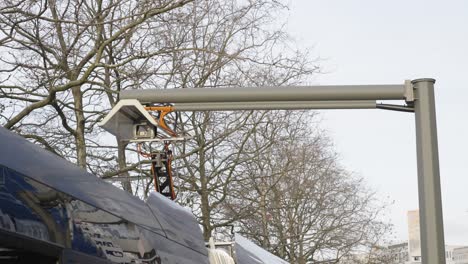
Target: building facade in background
{"x":410,"y":252}
{"x":460,"y":255}
{"x":414,"y":241}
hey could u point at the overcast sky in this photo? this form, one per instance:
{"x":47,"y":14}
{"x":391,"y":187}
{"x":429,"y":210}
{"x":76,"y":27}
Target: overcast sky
{"x":386,"y":42}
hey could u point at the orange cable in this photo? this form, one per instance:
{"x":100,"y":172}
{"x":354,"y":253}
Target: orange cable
{"x":164,"y":110}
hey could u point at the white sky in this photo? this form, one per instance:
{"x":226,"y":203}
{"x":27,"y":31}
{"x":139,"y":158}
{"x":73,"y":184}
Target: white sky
{"x":386,"y":42}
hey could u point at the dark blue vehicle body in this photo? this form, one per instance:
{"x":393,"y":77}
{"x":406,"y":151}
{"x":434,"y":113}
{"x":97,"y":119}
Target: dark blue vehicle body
{"x":54,"y":212}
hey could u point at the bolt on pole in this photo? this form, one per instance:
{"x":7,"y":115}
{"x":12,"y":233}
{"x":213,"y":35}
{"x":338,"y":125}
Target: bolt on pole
{"x":430,"y":204}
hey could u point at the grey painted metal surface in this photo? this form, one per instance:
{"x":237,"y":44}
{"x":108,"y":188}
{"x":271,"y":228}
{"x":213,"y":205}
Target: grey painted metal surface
{"x":121,"y":119}
{"x":52,"y":170}
{"x":173,"y":243}
{"x":430,"y":204}
{"x":275,"y":105}
{"x":252,"y":94}
{"x":248,"y":252}
{"x":29,"y":159}
{"x":179,"y":223}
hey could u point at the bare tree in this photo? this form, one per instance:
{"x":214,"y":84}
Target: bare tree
{"x":373,"y":255}
{"x":65,"y":62}
{"x":223,"y":43}
{"x":303,"y":206}
{"x":216,"y":164}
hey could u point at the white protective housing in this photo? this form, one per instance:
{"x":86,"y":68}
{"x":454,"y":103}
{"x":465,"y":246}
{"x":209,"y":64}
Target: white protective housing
{"x":218,"y":256}
{"x":124,"y":115}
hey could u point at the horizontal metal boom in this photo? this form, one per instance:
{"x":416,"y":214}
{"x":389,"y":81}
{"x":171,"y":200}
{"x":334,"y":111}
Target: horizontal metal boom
{"x":257,"y":94}
{"x":277,"y":105}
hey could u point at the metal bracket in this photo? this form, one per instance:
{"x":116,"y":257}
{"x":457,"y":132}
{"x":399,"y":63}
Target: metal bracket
{"x":400,"y":108}
{"x":409,"y":93}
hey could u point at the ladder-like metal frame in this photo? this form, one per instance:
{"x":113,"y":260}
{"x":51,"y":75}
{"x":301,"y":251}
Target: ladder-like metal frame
{"x":161,"y":169}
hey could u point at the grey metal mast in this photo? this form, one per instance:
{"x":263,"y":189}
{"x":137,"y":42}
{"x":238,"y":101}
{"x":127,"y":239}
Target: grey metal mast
{"x":430,"y":203}
{"x":418,"y":94}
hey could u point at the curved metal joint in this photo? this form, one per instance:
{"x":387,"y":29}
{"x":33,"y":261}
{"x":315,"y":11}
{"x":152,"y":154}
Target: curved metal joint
{"x":163,"y":111}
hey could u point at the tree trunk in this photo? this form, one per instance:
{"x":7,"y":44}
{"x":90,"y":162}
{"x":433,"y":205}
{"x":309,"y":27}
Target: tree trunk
{"x":263,"y":210}
{"x":207,"y":230}
{"x":122,"y":161}
{"x":80,"y":127}
{"x":205,"y":203}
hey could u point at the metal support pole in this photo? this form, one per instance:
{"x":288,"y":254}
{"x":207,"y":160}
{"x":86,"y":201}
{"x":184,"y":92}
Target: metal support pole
{"x":430,"y":204}
{"x":420,"y":91}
